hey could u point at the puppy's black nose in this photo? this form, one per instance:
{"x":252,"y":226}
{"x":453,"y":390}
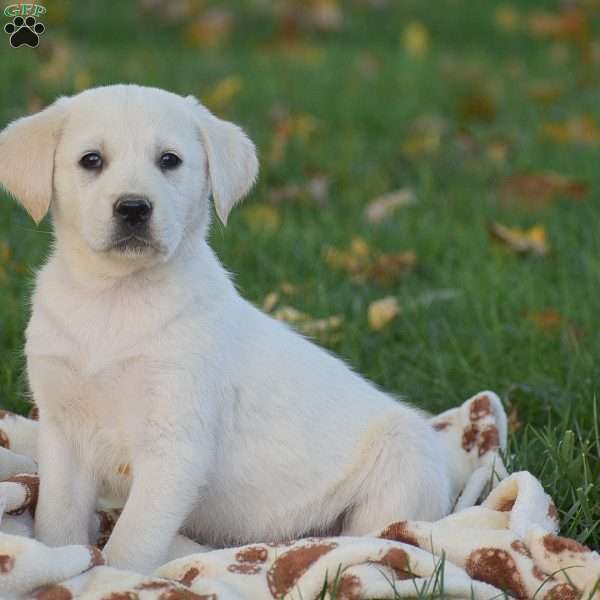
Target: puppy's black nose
{"x":132,"y":210}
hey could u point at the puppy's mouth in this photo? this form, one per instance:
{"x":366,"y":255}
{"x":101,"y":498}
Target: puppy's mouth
{"x":134,"y":244}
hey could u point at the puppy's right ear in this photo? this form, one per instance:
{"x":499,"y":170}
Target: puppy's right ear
{"x":27,"y":148}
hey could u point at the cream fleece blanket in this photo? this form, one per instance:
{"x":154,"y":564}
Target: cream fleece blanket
{"x":501,"y":539}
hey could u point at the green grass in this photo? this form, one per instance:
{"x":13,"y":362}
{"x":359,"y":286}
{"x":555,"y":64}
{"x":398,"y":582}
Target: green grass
{"x":436,"y":355}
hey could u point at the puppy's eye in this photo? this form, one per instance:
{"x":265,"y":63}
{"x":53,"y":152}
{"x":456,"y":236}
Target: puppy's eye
{"x":169,"y":161}
{"x":91,"y":161}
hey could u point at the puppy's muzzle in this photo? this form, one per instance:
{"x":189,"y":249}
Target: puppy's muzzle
{"x":132,"y":211}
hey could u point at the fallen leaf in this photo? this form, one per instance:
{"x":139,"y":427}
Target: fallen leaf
{"x":570,"y":24}
{"x":551,"y":321}
{"x":5,"y":251}
{"x":425,"y":135}
{"x":363,"y":265}
{"x":507,"y":18}
{"x":514,"y":423}
{"x":174,"y":10}
{"x":383,"y":207}
{"x":320,"y":328}
{"x":415,"y":39}
{"x":82,"y":80}
{"x":477,"y":105}
{"x":545,"y":92}
{"x":287,"y":126}
{"x":60,"y":59}
{"x":212,"y":29}
{"x":387,"y":269}
{"x":548,"y":320}
{"x":315,"y":190}
{"x":288,"y":288}
{"x":270,"y":301}
{"x":354,"y":261}
{"x":529,"y":241}
{"x":580,"y":129}
{"x":289,"y":314}
{"x":537,"y":190}
{"x":221,"y":95}
{"x":262,"y":217}
{"x":308,"y":15}
{"x":382,"y":312}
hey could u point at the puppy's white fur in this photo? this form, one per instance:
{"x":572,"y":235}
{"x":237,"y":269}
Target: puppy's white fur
{"x":237,"y":429}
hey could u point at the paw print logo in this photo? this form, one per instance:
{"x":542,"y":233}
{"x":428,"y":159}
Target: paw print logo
{"x":24,"y":31}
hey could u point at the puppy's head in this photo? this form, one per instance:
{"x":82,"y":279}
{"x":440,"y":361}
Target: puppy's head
{"x":127,"y":169}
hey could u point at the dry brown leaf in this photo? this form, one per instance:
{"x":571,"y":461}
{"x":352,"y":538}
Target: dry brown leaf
{"x":580,"y":129}
{"x":302,"y":126}
{"x":221,"y":95}
{"x":548,"y":320}
{"x":415,"y":39}
{"x":354,"y":261}
{"x":514,"y":423}
{"x":387,"y":269}
{"x":362,"y":265}
{"x":529,"y":241}
{"x":308,"y":15}
{"x":536,"y":190}
{"x":289,"y":289}
{"x":384,"y":206}
{"x":262,"y":217}
{"x":382,"y":312}
{"x":212,"y":29}
{"x":570,"y":24}
{"x":477,"y":105}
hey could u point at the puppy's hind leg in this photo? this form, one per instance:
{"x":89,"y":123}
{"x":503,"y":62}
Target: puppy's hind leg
{"x":408,"y":480}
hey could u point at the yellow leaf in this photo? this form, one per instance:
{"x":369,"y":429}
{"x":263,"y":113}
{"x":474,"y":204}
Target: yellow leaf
{"x":223,"y":93}
{"x":354,"y":260}
{"x":384,"y":206}
{"x":262,"y":217}
{"x":415,"y":39}
{"x":530,"y":241}
{"x":381,"y":312}
{"x":507,"y":18}
{"x":82,"y":80}
{"x":5,"y":252}
{"x":321,"y":328}
{"x":56,"y":68}
{"x":271,"y":299}
{"x":581,"y":129}
{"x":210,"y":30}
{"x":289,"y":314}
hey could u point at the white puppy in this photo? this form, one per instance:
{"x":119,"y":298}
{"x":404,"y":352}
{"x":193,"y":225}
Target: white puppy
{"x":140,"y":350}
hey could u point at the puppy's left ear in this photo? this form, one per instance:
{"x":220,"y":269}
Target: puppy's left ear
{"x":27,"y":148}
{"x":232,"y":161}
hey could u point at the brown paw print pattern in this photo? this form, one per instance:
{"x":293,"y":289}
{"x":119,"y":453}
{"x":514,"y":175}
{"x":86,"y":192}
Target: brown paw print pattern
{"x":52,"y":592}
{"x":291,"y":565}
{"x":400,"y":531}
{"x":31,"y":487}
{"x":479,"y":435}
{"x":498,"y":568}
{"x":249,"y":560}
